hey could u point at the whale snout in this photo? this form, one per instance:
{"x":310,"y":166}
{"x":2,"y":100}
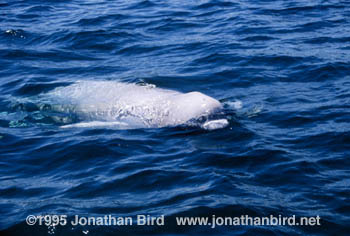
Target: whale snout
{"x":192,"y":105}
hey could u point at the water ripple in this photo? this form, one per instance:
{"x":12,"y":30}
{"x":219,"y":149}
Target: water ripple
{"x":284,"y":151}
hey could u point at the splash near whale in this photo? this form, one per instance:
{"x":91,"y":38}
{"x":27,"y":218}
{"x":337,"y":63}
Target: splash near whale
{"x":129,"y":105}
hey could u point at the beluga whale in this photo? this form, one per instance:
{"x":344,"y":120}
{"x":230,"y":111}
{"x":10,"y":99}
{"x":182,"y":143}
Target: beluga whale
{"x":129,"y":106}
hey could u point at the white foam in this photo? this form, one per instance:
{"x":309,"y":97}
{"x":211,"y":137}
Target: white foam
{"x":215,"y":124}
{"x":237,"y":104}
{"x":95,"y":124}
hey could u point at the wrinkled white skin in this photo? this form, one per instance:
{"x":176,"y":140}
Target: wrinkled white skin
{"x":130,"y":104}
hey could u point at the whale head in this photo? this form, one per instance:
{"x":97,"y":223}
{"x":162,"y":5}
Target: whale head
{"x":191,"y":105}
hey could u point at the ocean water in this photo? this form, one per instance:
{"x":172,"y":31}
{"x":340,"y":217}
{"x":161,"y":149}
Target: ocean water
{"x":280,"y":68}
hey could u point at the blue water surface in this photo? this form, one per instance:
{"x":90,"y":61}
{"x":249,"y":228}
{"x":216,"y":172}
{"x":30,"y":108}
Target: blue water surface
{"x":285,"y":151}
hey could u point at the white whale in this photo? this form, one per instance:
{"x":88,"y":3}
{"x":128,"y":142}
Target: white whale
{"x":128,"y":105}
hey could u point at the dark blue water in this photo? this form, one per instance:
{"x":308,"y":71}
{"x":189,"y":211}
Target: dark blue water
{"x":285,"y":152}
